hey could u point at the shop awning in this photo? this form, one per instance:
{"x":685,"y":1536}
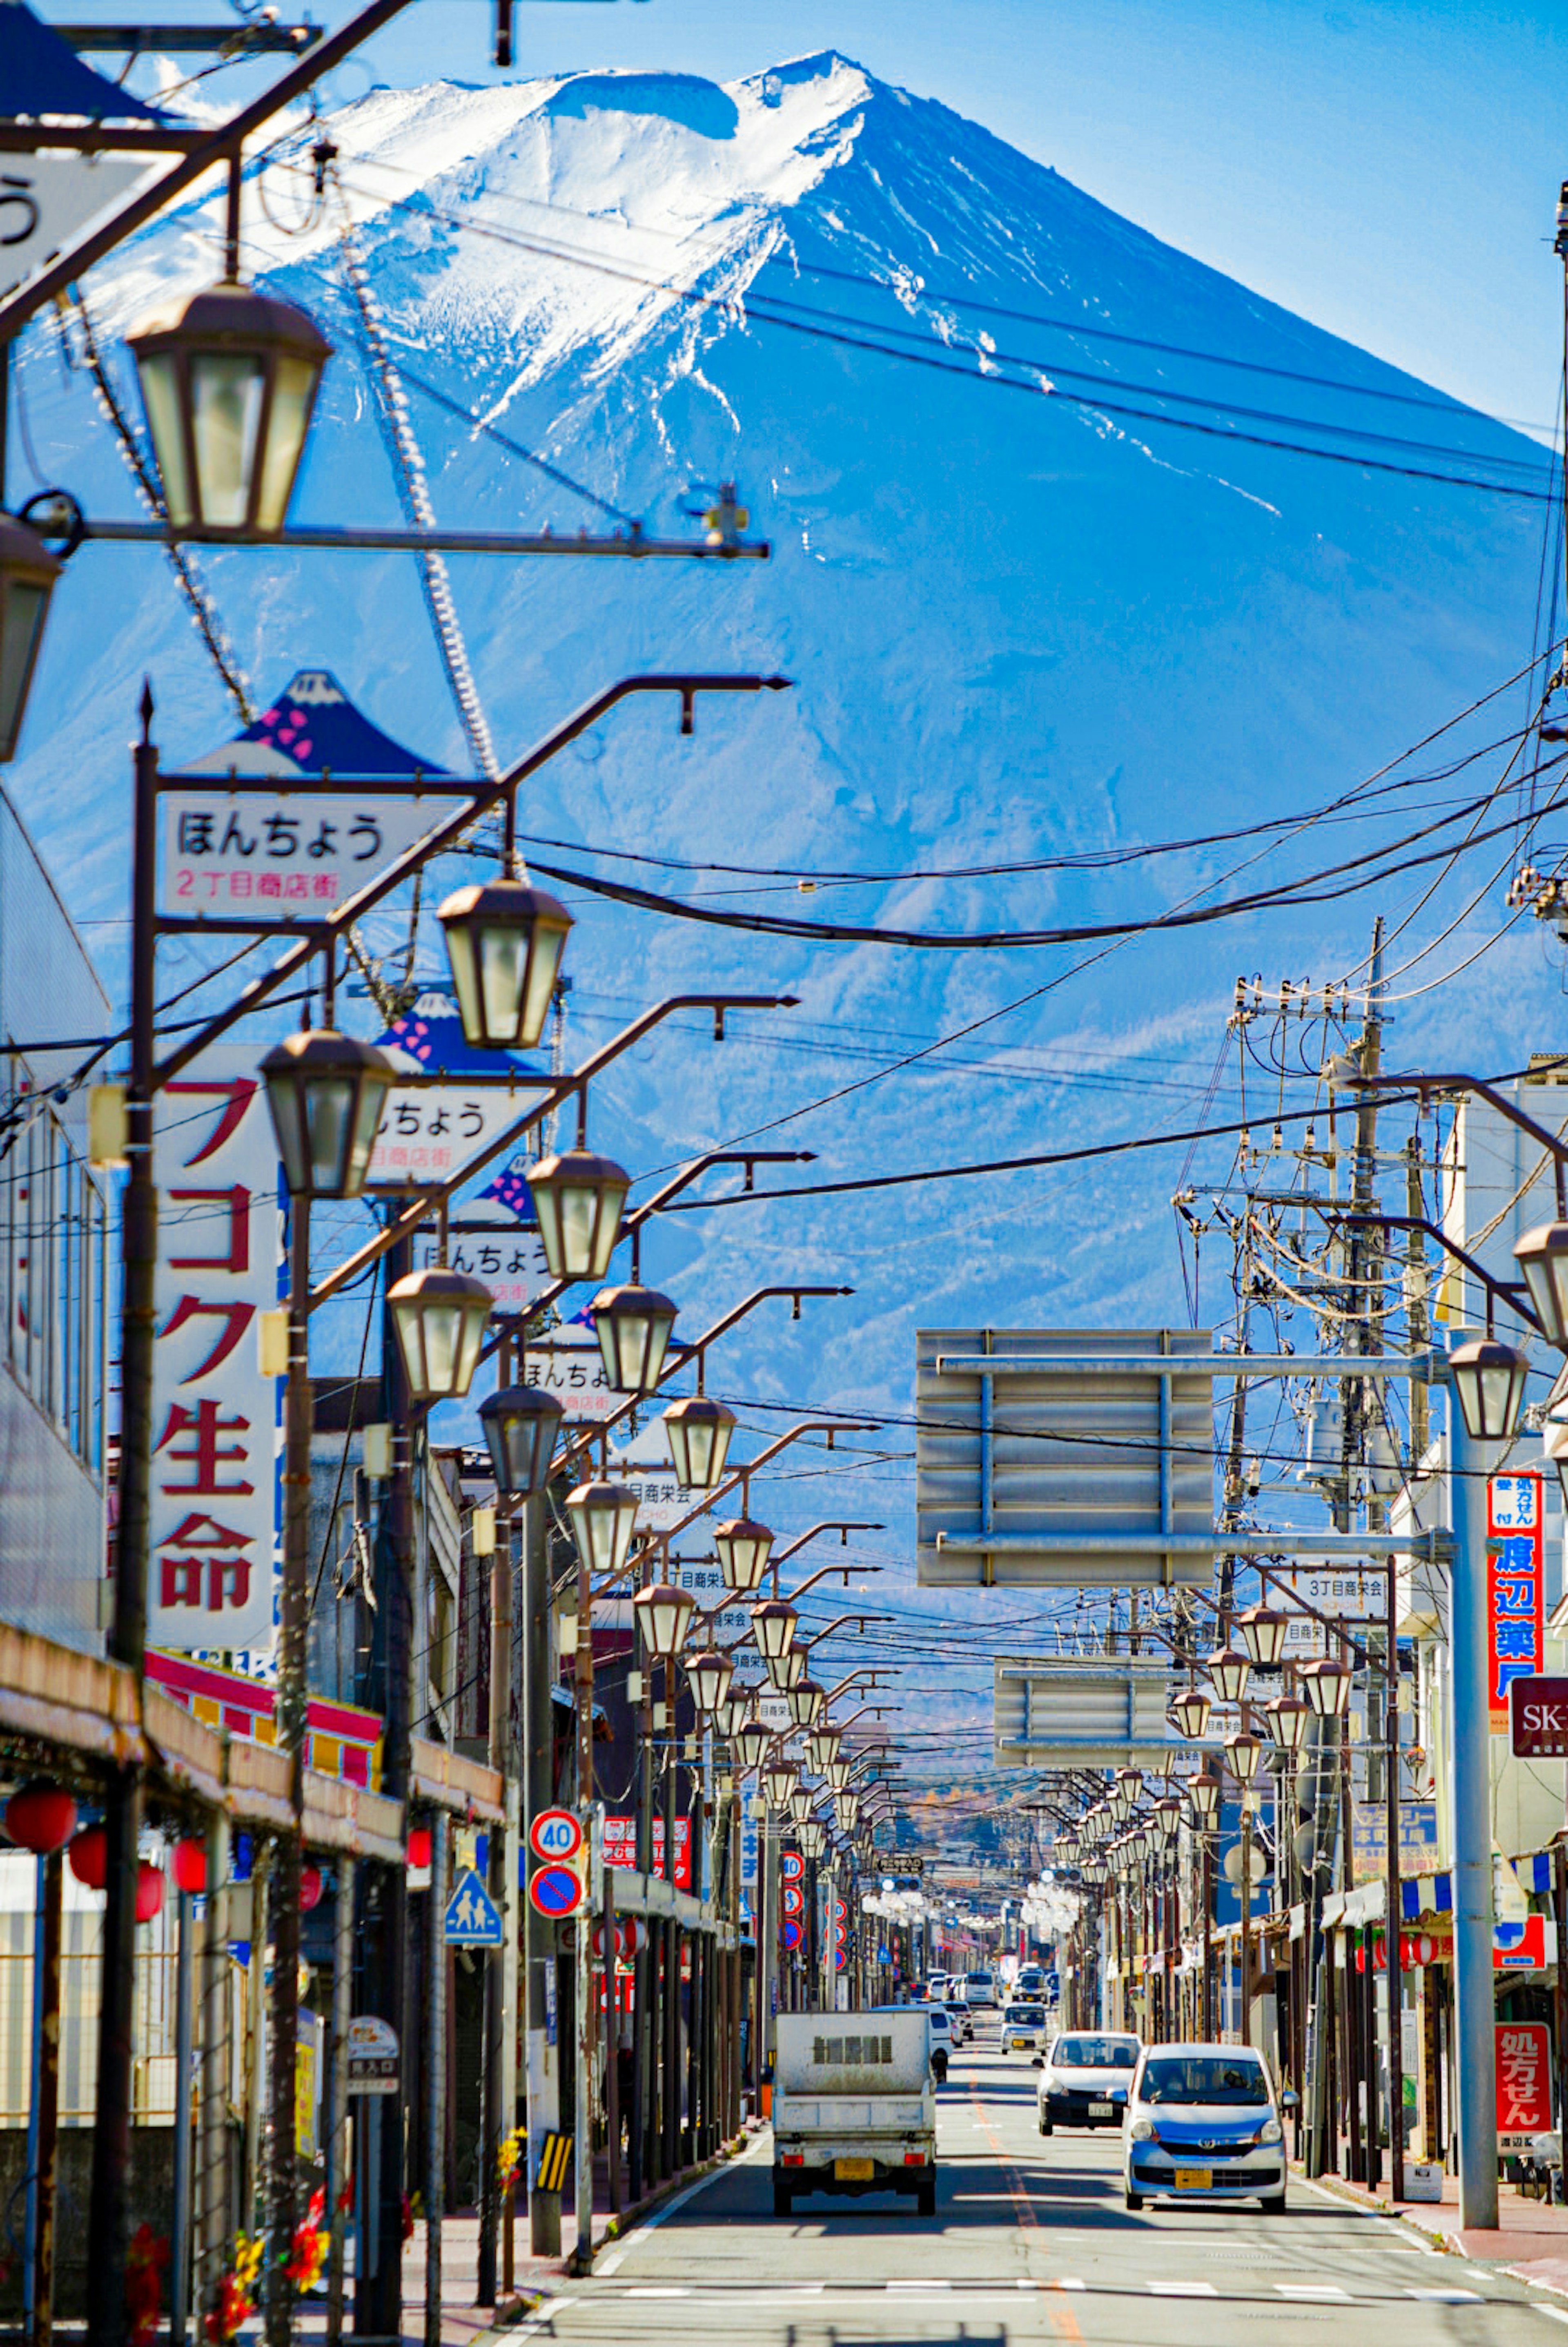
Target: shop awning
{"x":1426,"y":1894}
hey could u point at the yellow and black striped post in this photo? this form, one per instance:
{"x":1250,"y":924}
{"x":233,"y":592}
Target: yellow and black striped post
{"x":554,"y":2159}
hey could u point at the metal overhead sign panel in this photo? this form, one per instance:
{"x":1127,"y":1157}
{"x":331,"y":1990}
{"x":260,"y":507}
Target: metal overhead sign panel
{"x":1065,"y":1458}
{"x":1082,"y":1711}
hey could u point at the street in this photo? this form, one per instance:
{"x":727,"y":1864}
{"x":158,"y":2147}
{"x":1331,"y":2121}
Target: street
{"x":1030,"y":2242}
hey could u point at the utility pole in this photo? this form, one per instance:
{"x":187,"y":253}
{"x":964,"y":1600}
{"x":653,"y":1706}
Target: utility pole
{"x":539,"y":1931}
{"x":496,"y":2120}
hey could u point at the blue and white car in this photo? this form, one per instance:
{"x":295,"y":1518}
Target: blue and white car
{"x":1203,"y":2123}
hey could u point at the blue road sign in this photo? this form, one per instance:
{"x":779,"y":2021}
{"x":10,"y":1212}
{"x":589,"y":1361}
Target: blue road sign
{"x":473,"y":1918}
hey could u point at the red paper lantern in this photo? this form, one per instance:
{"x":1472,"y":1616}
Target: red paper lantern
{"x":41,"y":1818}
{"x":149,"y":1889}
{"x":309,"y":1888}
{"x":420,"y":1846}
{"x":190,"y":1866}
{"x":88,"y":1857}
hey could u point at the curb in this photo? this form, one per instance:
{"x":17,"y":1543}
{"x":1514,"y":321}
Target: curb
{"x":1351,"y":2196}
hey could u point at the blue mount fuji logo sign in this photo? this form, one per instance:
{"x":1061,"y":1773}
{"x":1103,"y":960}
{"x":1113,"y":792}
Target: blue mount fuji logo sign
{"x":473,"y":1918}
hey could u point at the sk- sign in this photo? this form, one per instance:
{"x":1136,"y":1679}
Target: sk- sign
{"x":1515,"y":1587}
{"x":1537,"y":1713}
{"x":216,"y":1460}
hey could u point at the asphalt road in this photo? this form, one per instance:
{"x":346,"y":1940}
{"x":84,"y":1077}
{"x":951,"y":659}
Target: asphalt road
{"x":1030,"y":2242}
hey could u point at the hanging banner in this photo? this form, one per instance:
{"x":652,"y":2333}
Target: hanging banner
{"x":1523,"y":2082}
{"x":1515,"y":1587}
{"x":511,"y":1263}
{"x":216,"y":1452}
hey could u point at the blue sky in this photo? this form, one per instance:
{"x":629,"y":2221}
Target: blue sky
{"x":1389,"y":170}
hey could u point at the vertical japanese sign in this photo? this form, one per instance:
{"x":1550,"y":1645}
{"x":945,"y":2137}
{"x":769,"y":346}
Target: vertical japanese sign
{"x":1523,"y":2082}
{"x":1515,"y":1587}
{"x":216,"y":1453}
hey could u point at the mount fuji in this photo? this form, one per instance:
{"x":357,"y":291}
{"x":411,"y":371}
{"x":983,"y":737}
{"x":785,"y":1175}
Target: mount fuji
{"x":1076,"y":544}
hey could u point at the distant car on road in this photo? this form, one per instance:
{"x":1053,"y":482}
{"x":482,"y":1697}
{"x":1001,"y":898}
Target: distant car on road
{"x":936,"y":1987}
{"x":980,"y":1989}
{"x":958,"y":2013}
{"x":1029,"y":1987}
{"x":942,"y":2041}
{"x":1204,"y":2124}
{"x":1086,"y":2077}
{"x":1023,"y":2027}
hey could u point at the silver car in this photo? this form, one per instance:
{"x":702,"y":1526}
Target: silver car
{"x":1204,"y":2124}
{"x":1085,"y":2077}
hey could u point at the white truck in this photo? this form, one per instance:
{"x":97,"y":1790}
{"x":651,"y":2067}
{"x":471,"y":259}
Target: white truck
{"x":854,"y":2105}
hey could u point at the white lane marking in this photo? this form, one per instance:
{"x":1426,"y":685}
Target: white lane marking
{"x":1448,"y":2297}
{"x":630,"y":2241}
{"x":608,"y":2266}
{"x":545,"y":2311}
{"x":919,"y":2285}
{"x":1310,"y":2290}
{"x":1066,"y":2281}
{"x":1183,"y":2290}
{"x":1558,"y":2313}
{"x":657,"y":2289}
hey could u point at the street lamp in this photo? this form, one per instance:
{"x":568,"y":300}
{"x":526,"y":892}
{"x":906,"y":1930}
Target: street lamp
{"x":1229,"y":1669}
{"x":1190,"y":1712}
{"x":787,"y":1670}
{"x":577,"y":1201}
{"x":27,"y":575}
{"x":1288,"y":1717}
{"x":710,"y":1674}
{"x":822,"y":1744}
{"x":754,"y":1739}
{"x":698,"y":1431}
{"x":1328,"y":1686}
{"x":1167,"y":1818}
{"x":779,"y":1779}
{"x":1205,"y":1791}
{"x":1489,"y":1377}
{"x":1244,"y":1751}
{"x":521,"y":1423}
{"x":504,"y":942}
{"x":662,"y":1613}
{"x":744,"y":1548}
{"x":1263,"y":1634}
{"x":773,"y":1628}
{"x":814,"y":1838}
{"x":440,"y":1316}
{"x":604,"y":1517}
{"x":229,"y":380}
{"x":838,"y":1773}
{"x":1124,"y":1792}
{"x":1542,"y":1254}
{"x":633,"y":1325}
{"x":326,"y":1093}
{"x":805,"y":1699}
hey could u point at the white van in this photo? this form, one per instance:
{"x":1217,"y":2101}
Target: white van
{"x":980,"y":1989}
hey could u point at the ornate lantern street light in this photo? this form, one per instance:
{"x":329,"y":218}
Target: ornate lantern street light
{"x":663,"y":1612}
{"x":838,"y":1773}
{"x":521,"y":1423}
{"x":440,"y":1316}
{"x":326,"y":1093}
{"x":1542,"y":1254}
{"x":708,"y":1675}
{"x":773,"y":1628}
{"x":1328,"y":1685}
{"x":505,"y":941}
{"x":27,"y":575}
{"x":229,"y":380}
{"x":1244,"y":1753}
{"x":743,"y":1548}
{"x":1168,"y":1818}
{"x":1489,"y":1378}
{"x":577,"y":1201}
{"x":801,"y":1805}
{"x":805,"y":1699}
{"x":1229,"y":1669}
{"x":753,"y":1741}
{"x":698,"y":1431}
{"x":1263,"y":1634}
{"x":1190,"y":1712}
{"x":1204,"y":1791}
{"x":814,"y":1838}
{"x":1288,"y":1717}
{"x":633,"y":1327}
{"x":603,"y":1518}
{"x":822,"y":1744}
{"x":787,"y":1670}
{"x":1124,"y":1792}
{"x":779,"y":1779}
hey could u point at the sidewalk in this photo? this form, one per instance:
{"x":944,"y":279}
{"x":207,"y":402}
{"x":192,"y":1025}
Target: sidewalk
{"x":1531,"y":2237}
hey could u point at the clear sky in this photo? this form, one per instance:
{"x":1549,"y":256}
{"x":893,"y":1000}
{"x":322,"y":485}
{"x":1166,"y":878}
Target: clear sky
{"x":1388,"y":167}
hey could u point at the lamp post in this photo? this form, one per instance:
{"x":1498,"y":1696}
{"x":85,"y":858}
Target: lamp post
{"x":1243,"y":1752}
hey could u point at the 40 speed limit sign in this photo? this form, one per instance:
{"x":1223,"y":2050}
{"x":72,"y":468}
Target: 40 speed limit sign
{"x":556,"y":1836}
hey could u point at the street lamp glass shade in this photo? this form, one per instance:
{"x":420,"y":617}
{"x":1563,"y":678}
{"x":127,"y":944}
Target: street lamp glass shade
{"x":814,"y":1838}
{"x":1244,"y":1752}
{"x":326,"y":1093}
{"x":698,"y":1431}
{"x":708,"y":1675}
{"x":800,"y":1806}
{"x":1129,"y":1784}
{"x":773,"y":1628}
{"x":1204,"y":1791}
{"x":1328,"y":1686}
{"x":837,"y":1772}
{"x":823,"y":1745}
{"x":1489,"y":1377}
{"x":1263,"y":1632}
{"x":27,"y":575}
{"x":229,"y":380}
{"x":521,"y":1423}
{"x":1288,"y":1717}
{"x":754,"y":1739}
{"x":663,"y":1612}
{"x":1229,"y":1669}
{"x":806,"y":1699}
{"x":577,"y":1201}
{"x":1542,"y":1256}
{"x":1168,"y":1818}
{"x":1190,"y":1711}
{"x":440,"y":1316}
{"x":779,"y":1779}
{"x":604,"y":1517}
{"x":633,"y":1325}
{"x":744,"y":1548}
{"x":848,"y":1806}
{"x":504,"y":942}
{"x":789,"y":1670}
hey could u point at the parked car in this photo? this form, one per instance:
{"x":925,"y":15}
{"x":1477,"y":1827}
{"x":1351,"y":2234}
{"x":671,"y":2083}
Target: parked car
{"x":942,"y":2040}
{"x":1084,"y":2078}
{"x":1203,"y":2123}
{"x":958,"y":2013}
{"x":980,"y":1989}
{"x":1023,"y":2027}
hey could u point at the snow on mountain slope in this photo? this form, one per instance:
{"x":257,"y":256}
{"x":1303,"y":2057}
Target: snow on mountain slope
{"x":1018,"y":627}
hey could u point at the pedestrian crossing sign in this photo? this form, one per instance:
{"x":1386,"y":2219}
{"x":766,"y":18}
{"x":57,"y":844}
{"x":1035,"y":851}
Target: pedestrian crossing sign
{"x":472,"y":1917}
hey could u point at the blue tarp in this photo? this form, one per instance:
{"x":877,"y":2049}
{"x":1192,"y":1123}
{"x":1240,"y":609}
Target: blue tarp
{"x":40,"y":73}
